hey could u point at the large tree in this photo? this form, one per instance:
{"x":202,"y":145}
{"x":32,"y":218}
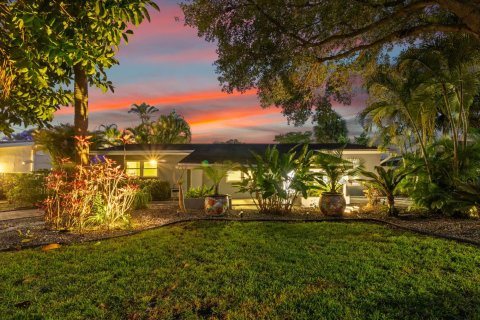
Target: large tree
{"x":294,"y":137}
{"x":329,"y":127}
{"x":295,"y":51}
{"x":57,"y":43}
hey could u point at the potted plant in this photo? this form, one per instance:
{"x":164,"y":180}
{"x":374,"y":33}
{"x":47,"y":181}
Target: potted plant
{"x":334,"y":168}
{"x":217,"y":203}
{"x":195,"y":197}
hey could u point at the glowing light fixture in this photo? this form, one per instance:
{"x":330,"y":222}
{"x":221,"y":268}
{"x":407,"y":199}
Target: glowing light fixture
{"x":153,"y":162}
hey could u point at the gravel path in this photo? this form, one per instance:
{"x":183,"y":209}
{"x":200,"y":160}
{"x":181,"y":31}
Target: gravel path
{"x":31,"y":232}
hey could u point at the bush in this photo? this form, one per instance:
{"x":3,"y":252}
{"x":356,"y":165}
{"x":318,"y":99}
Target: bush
{"x":98,"y":195}
{"x":24,"y":189}
{"x":159,"y":190}
{"x":199,"y":192}
{"x":142,"y":199}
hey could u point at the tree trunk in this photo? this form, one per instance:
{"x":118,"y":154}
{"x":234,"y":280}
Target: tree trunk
{"x":181,"y":198}
{"x":81,"y":114}
{"x":392,"y":211}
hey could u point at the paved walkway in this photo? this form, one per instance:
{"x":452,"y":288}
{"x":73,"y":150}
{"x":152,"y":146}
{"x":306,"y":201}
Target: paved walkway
{"x":18,"y":214}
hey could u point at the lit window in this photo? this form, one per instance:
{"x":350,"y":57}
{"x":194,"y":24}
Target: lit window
{"x":234,"y":176}
{"x":133,"y":168}
{"x":150,"y":169}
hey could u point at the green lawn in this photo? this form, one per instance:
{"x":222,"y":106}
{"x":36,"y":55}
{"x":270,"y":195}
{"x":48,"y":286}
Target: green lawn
{"x":247,"y":270}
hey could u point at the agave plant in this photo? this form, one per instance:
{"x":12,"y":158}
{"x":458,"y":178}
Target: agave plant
{"x":386,"y":180}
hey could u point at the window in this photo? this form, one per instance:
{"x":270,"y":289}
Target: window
{"x":133,"y":168}
{"x":234,"y":176}
{"x":150,"y":169}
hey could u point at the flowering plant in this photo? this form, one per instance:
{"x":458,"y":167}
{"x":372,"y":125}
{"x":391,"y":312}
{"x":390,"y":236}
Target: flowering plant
{"x":96,"y":195}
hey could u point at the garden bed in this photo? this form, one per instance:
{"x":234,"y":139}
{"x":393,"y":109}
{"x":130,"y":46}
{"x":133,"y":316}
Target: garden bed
{"x":30,"y":232}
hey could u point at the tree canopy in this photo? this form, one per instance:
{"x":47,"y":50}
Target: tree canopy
{"x":171,"y":128}
{"x":295,"y":52}
{"x":54,"y":44}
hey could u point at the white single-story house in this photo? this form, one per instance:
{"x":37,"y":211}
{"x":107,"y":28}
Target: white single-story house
{"x":168,"y":162}
{"x":22,"y":157}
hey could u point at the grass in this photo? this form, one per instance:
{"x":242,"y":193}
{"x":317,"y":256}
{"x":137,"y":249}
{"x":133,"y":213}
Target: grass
{"x":247,"y":270}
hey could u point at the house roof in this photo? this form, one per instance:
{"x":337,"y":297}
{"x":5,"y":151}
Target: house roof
{"x":212,"y":153}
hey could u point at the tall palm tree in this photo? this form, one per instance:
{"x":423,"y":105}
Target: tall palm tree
{"x":171,"y":128}
{"x":451,"y":80}
{"x":143,"y":111}
{"x":394,"y":102}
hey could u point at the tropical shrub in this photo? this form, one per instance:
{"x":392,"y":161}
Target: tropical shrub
{"x":98,"y":195}
{"x":199,"y":192}
{"x":159,"y":190}
{"x":467,"y":196}
{"x":24,"y":189}
{"x":439,"y":191}
{"x":334,"y":168}
{"x":276,"y":180}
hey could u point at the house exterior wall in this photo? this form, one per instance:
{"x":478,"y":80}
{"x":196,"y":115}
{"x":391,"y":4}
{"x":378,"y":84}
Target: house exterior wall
{"x":12,"y":158}
{"x":369,"y":161}
{"x":42,"y":161}
{"x":169,"y":169}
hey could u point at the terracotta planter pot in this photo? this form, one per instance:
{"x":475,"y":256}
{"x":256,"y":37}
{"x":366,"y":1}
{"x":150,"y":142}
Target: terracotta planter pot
{"x":217,"y":205}
{"x":332,"y":204}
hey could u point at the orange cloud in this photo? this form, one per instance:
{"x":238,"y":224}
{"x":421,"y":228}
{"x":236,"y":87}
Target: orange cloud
{"x":118,"y":102}
{"x":229,"y":114}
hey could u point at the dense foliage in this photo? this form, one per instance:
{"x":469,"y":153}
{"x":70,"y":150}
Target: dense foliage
{"x":422,"y":104}
{"x":159,"y":190}
{"x":23,"y":189}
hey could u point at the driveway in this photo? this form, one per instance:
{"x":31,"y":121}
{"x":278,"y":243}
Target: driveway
{"x":18,"y":214}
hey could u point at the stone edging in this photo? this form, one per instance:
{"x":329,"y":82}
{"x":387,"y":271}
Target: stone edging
{"x":289,"y":220}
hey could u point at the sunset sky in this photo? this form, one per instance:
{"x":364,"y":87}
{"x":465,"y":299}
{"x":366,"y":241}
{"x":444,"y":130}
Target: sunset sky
{"x":167,"y":65}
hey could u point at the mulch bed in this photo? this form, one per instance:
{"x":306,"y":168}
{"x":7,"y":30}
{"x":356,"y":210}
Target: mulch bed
{"x":31,"y":232}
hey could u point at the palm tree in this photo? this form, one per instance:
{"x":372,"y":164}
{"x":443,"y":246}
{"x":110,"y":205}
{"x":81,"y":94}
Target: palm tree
{"x":395,"y":102}
{"x":109,"y":135}
{"x":58,"y":141}
{"x":169,"y":129}
{"x":451,"y":81}
{"x":143,"y":111}
{"x":386,"y":181}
